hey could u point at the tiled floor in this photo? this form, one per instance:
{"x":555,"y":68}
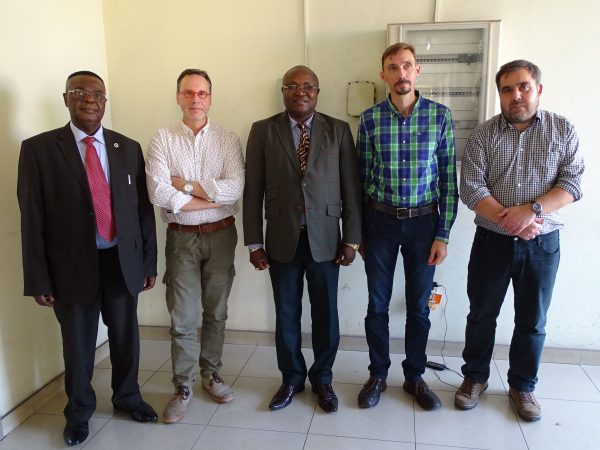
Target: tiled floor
{"x":569,"y":395}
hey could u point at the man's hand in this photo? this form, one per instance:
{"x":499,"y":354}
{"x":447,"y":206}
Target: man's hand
{"x":516,"y":218}
{"x":259,"y":259}
{"x":345,"y":255}
{"x":149,"y":283}
{"x":532,"y":230}
{"x":45,"y":300}
{"x":178,"y":183}
{"x":439,"y":251}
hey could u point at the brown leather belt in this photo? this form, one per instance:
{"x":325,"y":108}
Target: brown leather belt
{"x":203,"y":228}
{"x":404,"y":213}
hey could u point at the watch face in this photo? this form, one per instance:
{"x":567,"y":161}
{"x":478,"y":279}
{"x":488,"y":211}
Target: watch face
{"x":537,"y":207}
{"x":188,"y":188}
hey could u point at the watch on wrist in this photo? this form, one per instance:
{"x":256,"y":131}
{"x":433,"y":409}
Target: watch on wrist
{"x":537,"y":208}
{"x":188,"y":188}
{"x":352,"y":246}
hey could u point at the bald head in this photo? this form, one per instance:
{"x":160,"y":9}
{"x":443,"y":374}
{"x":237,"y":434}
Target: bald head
{"x":300,"y":70}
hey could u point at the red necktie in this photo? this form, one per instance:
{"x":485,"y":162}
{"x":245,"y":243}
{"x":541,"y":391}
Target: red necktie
{"x":100,"y":192}
{"x":303,"y":146}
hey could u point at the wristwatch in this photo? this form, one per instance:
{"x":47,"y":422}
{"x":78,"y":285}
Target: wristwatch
{"x":188,"y":188}
{"x":352,"y":246}
{"x":537,"y":208}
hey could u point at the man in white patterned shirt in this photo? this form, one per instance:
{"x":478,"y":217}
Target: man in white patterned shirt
{"x":195,"y":174}
{"x":519,"y":168}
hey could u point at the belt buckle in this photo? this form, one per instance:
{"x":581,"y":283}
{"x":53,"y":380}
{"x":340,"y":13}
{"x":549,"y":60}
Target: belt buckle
{"x":401,"y":211}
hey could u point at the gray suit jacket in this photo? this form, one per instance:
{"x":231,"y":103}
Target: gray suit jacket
{"x":330,"y":188}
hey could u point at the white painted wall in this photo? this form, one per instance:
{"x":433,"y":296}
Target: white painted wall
{"x":246,"y":47}
{"x":40,"y":43}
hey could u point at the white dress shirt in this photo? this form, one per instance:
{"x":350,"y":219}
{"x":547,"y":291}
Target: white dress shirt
{"x":213,"y":158}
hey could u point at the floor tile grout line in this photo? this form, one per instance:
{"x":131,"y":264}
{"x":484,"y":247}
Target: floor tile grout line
{"x":87,"y":441}
{"x":590,"y":378}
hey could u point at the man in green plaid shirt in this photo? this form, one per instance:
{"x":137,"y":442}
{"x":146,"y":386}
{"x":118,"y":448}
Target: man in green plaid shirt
{"x":408,"y":171}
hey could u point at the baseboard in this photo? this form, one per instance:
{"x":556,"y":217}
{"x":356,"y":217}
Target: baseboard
{"x":359,"y":343}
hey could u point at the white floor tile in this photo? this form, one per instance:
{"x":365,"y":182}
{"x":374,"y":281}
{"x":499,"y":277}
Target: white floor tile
{"x":450,"y":381}
{"x":235,"y":357}
{"x":492,"y":424}
{"x":564,"y":425}
{"x":153,"y":355}
{"x":43,"y":431}
{"x":263,"y":363}
{"x":101,"y":385}
{"x":320,"y":442}
{"x":351,"y":367}
{"x":562,"y":382}
{"x":392,"y":419}
{"x":159,"y":389}
{"x":250,"y":409}
{"x":126,"y":434}
{"x":220,"y":438}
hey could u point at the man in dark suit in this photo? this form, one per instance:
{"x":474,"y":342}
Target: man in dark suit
{"x":89,"y":246}
{"x":303,"y":165}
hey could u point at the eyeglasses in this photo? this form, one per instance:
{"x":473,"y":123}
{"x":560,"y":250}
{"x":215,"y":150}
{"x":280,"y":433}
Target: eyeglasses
{"x":293,"y":88}
{"x":190,"y":94}
{"x":80,"y":94}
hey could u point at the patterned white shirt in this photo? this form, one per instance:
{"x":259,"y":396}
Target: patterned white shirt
{"x":518,"y":167}
{"x":213,"y":158}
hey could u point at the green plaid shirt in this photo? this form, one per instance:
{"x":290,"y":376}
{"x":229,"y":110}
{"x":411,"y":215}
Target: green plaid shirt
{"x":408,"y":162}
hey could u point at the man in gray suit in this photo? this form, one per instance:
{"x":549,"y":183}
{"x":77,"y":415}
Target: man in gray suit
{"x":303,"y":165}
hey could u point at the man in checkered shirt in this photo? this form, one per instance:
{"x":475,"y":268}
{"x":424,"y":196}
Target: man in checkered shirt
{"x":519,"y":168}
{"x":407,"y":167}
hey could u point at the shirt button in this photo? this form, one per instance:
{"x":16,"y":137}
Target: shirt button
{"x":519,"y":184}
{"x":404,"y":142}
{"x":403,"y":160}
{"x":516,"y":239}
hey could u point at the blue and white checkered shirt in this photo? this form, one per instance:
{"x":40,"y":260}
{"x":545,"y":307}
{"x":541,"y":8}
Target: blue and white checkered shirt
{"x":518,"y":167}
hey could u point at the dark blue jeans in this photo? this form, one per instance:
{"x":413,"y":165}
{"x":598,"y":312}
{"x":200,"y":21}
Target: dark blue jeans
{"x":384,"y":235}
{"x":531,"y":266}
{"x":287,"y":280}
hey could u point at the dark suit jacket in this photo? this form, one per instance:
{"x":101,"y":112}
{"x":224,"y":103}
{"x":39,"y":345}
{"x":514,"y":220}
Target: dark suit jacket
{"x":330,"y":188}
{"x":57,"y":216}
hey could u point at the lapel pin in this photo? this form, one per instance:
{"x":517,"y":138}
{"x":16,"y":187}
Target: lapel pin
{"x":116,"y":145}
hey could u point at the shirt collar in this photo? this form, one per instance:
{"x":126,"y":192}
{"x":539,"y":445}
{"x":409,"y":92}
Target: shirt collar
{"x":307,"y":122}
{"x":187,"y":130}
{"x":504,"y":124}
{"x":80,"y":135}
{"x":395,"y":110}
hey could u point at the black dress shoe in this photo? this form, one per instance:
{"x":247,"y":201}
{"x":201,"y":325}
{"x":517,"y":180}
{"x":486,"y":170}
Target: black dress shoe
{"x":284,"y":395}
{"x":328,"y":401}
{"x":75,"y":433}
{"x":144,"y":413}
{"x":424,"y":396}
{"x":369,"y":394}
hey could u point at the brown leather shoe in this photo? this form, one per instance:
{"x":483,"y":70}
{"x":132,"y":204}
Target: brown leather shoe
{"x":527,"y":406}
{"x":284,"y":395}
{"x":467,"y":396}
{"x":328,"y":401}
{"x":370,"y":393}
{"x":424,"y":396}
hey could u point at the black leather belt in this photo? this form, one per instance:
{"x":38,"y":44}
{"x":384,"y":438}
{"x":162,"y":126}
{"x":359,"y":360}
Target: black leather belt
{"x":404,"y":213}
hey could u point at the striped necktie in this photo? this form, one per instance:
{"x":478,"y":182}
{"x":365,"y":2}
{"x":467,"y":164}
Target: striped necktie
{"x":303,"y":146}
{"x":100,"y":191}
